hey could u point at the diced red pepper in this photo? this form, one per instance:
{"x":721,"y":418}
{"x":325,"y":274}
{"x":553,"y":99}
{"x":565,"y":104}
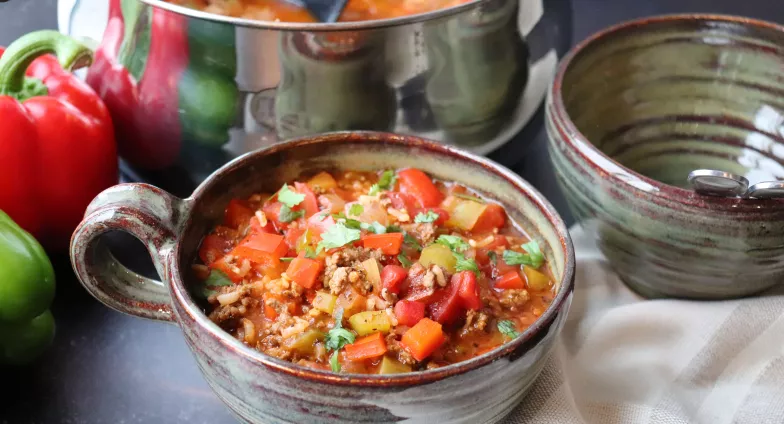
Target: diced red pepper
{"x":418,"y":184}
{"x":310,"y":204}
{"x":423,"y":339}
{"x":392,"y":277}
{"x":304,"y":271}
{"x":213,"y":247}
{"x":409,"y":313}
{"x":272,"y":211}
{"x":389,"y":243}
{"x":510,"y":280}
{"x":237,"y":214}
{"x":318,"y":223}
{"x":223,"y":265}
{"x":292,"y":236}
{"x":448,"y":305}
{"x":468,"y":290}
{"x":264,"y":242}
{"x":402,"y":201}
{"x":367,"y":347}
{"x":492,"y":217}
{"x":255,"y":226}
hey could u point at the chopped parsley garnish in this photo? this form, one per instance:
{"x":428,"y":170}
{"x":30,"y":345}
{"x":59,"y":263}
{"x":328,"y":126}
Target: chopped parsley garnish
{"x":217,"y":278}
{"x":288,"y":197}
{"x":336,"y":338}
{"x":386,"y":182}
{"x":351,"y":223}
{"x":468,"y":197}
{"x":394,"y":229}
{"x":533,"y":258}
{"x":338,"y":235}
{"x":424,"y":218}
{"x":508,"y":329}
{"x":356,"y":210}
{"x":288,"y":215}
{"x":206,"y":293}
{"x":493,"y":257}
{"x":411,"y":241}
{"x":454,"y":243}
{"x":465,"y":264}
{"x":404,"y":260}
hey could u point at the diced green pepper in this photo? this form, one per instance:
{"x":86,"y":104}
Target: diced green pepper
{"x":392,"y":366}
{"x":438,"y":254}
{"x":370,"y":322}
{"x":305,"y":343}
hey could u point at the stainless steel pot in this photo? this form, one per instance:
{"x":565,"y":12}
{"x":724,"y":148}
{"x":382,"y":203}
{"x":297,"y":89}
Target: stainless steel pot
{"x":189,"y":90}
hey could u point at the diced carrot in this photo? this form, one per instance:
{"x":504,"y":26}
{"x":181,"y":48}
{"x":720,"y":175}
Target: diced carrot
{"x":304,"y":271}
{"x":310,"y":204}
{"x":418,"y":184}
{"x":510,"y":280}
{"x":212,"y":248}
{"x":409,"y":313}
{"x":367,"y":347}
{"x":273,"y":244}
{"x":492,"y":217}
{"x":237,"y":214}
{"x":423,"y":339}
{"x":389,"y":243}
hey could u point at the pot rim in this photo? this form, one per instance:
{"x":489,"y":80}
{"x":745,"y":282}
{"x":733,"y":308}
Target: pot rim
{"x":630,"y":179}
{"x":316,"y":27}
{"x":543,"y":323}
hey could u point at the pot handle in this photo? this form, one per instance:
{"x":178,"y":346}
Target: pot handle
{"x":152,"y":216}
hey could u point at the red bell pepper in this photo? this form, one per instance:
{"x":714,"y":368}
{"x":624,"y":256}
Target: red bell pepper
{"x":145,"y":112}
{"x":392,"y":277}
{"x":409,"y":313}
{"x":57,"y":149}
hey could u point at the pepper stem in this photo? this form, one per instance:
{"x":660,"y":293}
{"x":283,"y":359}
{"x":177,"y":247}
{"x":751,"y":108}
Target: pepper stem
{"x":21,"y":53}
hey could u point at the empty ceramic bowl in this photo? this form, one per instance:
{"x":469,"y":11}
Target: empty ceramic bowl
{"x":634,"y":109}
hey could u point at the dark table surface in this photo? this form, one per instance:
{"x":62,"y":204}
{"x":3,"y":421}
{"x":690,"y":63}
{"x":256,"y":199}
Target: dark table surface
{"x":106,"y":367}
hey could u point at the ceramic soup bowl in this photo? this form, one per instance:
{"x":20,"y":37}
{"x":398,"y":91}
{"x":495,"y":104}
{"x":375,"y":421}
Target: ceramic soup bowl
{"x":262,"y":389}
{"x":634,"y":109}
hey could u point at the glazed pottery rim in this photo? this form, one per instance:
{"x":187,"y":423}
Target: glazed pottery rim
{"x":543,"y":323}
{"x":314,"y":27}
{"x":579,"y":143}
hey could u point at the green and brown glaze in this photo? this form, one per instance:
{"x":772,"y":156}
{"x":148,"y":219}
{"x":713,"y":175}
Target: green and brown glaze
{"x":634,"y":109}
{"x":263,"y":389}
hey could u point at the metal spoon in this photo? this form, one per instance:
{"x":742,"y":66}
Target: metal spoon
{"x":327,"y":11}
{"x":711,"y":182}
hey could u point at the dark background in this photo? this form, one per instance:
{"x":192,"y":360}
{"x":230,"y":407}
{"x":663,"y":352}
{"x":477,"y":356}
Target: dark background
{"x":106,"y":367}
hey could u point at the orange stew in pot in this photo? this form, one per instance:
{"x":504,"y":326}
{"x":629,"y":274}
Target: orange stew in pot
{"x":281,"y":10}
{"x":374,"y":273}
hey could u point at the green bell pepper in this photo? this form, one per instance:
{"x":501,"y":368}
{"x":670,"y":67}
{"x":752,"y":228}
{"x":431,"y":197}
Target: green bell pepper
{"x":26,"y":293}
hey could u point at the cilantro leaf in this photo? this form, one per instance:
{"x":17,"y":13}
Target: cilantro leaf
{"x":468,"y":197}
{"x":404,"y":260}
{"x":465,"y":264}
{"x":333,"y":362}
{"x":352,"y":223}
{"x":493,"y":257}
{"x":533,"y":258}
{"x":217,"y":278}
{"x":394,"y":229}
{"x":288,"y":197}
{"x":356,"y":210}
{"x":454,"y":243}
{"x":430,"y":216}
{"x":508,"y":329}
{"x":288,"y":215}
{"x":385,"y":182}
{"x":310,"y":253}
{"x":411,"y":241}
{"x":338,"y":235}
{"x":338,"y":337}
{"x":286,"y":259}
{"x":374,"y":227}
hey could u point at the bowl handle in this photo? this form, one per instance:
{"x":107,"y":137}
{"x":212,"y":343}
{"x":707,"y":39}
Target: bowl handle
{"x":152,"y":216}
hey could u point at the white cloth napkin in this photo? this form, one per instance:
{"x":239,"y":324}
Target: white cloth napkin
{"x":624,"y":359}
